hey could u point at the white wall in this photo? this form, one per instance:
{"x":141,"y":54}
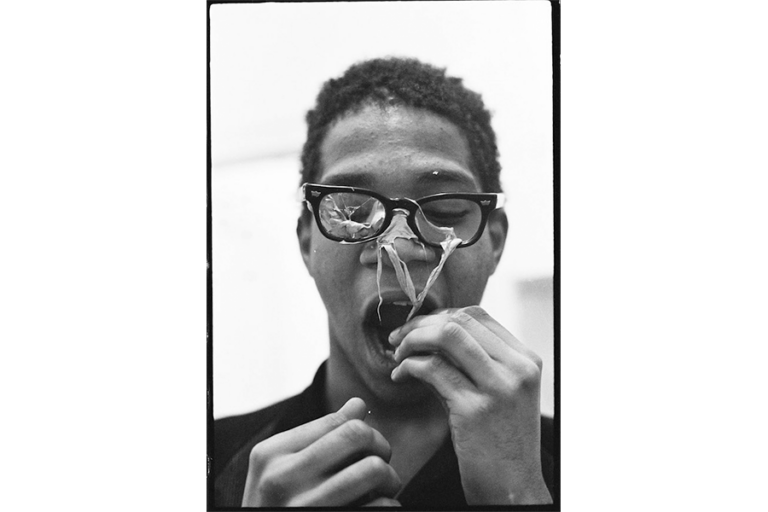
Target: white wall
{"x":268,"y":62}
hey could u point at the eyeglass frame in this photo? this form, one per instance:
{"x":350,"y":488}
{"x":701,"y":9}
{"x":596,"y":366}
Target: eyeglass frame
{"x":488,"y":202}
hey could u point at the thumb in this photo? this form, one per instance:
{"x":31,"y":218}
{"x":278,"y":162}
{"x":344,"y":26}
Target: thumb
{"x":354,"y":409}
{"x":302,"y":436}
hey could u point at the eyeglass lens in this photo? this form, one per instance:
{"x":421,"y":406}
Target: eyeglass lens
{"x":354,"y":216}
{"x":351,"y":216}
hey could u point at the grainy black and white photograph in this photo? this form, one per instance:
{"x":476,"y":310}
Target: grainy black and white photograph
{"x":382,"y":254}
{"x":282,"y":255}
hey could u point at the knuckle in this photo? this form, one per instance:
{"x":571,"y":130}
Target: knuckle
{"x":259,"y":455}
{"x":274,"y":484}
{"x":528,"y":376}
{"x":336,"y":420}
{"x":271,"y":472}
{"x":504,"y":385}
{"x":532,"y":371}
{"x":375,"y":467}
{"x":451,"y":329}
{"x":412,"y":366}
{"x":389,"y":480}
{"x":270,"y":489}
{"x":483,"y":408}
{"x":474,"y":312}
{"x":537,"y":361}
{"x":357,"y":432}
{"x":460,"y":315}
{"x":435,"y":364}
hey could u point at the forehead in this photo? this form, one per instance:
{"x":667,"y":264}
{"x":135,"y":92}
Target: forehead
{"x":399,"y":147}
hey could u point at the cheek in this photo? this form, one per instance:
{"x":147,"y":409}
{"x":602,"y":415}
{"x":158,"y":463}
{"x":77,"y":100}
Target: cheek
{"x":332,"y":266}
{"x":467,"y":272}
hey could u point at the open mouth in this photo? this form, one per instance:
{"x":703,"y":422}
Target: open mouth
{"x":382,"y":320}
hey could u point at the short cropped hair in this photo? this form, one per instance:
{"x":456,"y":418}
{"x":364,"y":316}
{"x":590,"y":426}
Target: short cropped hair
{"x":409,"y":82}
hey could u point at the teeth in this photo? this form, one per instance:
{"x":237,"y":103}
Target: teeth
{"x":402,"y":303}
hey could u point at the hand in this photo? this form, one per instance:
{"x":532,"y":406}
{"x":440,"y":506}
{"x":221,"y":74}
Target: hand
{"x":489,"y":383}
{"x":332,"y":461}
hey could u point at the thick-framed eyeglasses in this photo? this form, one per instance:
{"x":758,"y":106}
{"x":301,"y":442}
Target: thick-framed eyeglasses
{"x":356,"y":215}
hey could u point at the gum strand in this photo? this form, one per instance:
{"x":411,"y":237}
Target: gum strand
{"x":404,"y":276}
{"x":401,"y":271}
{"x":385,"y":243}
{"x":448,"y":247}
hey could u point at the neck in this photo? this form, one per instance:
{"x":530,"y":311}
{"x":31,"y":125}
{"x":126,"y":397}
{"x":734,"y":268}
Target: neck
{"x":389,"y":405}
{"x":413,"y":421}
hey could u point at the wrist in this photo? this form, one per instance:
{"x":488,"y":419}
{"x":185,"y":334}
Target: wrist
{"x":528,"y":489}
{"x":536,"y":494}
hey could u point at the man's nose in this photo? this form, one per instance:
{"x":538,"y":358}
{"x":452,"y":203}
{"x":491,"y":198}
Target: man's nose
{"x":405,"y":243}
{"x":410,"y":250}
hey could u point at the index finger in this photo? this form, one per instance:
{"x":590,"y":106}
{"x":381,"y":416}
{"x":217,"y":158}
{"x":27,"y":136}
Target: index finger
{"x":503,"y":334}
{"x":476,"y":321}
{"x":397,"y":335}
{"x":298,"y":438}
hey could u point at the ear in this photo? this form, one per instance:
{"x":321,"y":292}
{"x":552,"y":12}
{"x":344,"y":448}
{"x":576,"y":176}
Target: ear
{"x":497,"y":228}
{"x":304,"y":235}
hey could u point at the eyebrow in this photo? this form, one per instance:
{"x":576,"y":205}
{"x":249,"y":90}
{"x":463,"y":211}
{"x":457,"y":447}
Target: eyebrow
{"x":430,"y":177}
{"x":353,"y":179}
{"x":445,"y":176}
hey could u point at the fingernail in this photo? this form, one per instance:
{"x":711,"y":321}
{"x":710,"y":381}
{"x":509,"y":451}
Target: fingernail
{"x":395,"y":372}
{"x":393,"y":336}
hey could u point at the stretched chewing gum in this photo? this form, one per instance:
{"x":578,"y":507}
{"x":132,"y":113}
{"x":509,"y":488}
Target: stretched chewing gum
{"x":386,"y":243}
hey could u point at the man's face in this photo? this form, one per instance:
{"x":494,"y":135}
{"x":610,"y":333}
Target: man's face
{"x":399,"y":152}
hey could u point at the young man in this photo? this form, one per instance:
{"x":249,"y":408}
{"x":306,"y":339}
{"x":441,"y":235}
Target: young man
{"x":436,"y":409}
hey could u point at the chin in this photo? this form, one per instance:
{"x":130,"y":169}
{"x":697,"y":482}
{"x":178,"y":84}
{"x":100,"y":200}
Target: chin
{"x":409,"y":393}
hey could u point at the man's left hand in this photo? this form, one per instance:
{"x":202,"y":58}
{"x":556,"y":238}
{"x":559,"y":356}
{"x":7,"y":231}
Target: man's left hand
{"x":489,"y":382}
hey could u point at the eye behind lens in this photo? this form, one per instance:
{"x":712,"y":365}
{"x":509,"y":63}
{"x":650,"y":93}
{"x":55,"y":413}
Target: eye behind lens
{"x":461,"y":215}
{"x":351,"y":216}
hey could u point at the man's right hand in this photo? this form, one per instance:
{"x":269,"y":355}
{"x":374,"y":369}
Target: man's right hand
{"x":335,"y":460}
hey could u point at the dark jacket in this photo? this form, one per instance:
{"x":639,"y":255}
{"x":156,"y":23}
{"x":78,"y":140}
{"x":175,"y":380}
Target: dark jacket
{"x":436,"y":485}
